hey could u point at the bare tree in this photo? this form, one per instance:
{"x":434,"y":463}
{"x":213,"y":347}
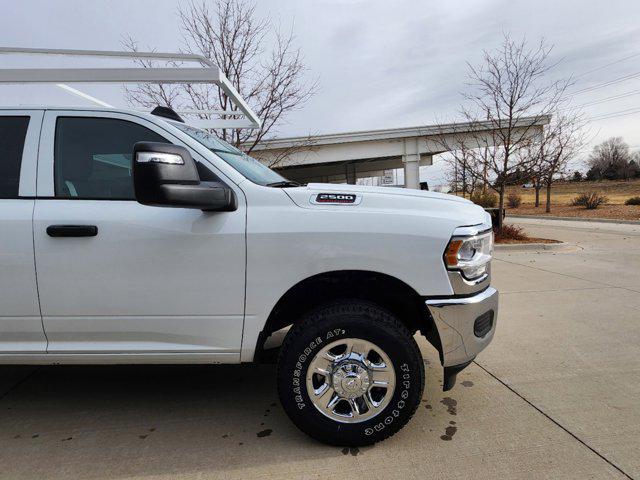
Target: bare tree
{"x":465,"y":164}
{"x":559,"y":143}
{"x":537,"y":174}
{"x":612,"y":159}
{"x":230,"y":34}
{"x":613,"y":150}
{"x":509,"y":96}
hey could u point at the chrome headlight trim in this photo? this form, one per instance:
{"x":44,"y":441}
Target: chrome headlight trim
{"x":472,"y":230}
{"x":470,"y":251}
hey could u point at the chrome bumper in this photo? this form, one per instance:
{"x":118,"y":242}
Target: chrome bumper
{"x":455,"y":319}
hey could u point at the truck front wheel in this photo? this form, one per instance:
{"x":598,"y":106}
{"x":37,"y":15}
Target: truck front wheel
{"x":350,"y":374}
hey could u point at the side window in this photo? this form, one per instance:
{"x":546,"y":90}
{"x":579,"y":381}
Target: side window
{"x":93,"y":157}
{"x":13,"y":131}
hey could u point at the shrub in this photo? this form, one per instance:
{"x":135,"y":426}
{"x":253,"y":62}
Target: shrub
{"x":590,"y":201}
{"x":633,"y":201}
{"x":514,"y":200}
{"x":509,"y":232}
{"x":580,"y":200}
{"x":486,"y":200}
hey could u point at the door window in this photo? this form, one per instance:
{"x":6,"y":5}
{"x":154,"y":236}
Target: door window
{"x":12,"y":134}
{"x":93,"y":157}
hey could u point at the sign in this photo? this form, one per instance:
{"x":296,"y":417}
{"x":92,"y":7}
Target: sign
{"x":387,"y":177}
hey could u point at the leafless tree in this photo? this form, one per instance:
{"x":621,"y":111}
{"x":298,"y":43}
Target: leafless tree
{"x":614,"y":151}
{"x":509,"y":94}
{"x":612,"y":159}
{"x":468,"y":156}
{"x":559,"y":143}
{"x":230,"y":34}
{"x":537,"y":173}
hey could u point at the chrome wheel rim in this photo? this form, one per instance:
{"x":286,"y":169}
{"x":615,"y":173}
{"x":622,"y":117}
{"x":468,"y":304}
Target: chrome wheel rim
{"x":351,"y":380}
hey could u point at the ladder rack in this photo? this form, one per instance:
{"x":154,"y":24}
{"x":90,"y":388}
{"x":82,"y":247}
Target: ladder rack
{"x":207,"y":73}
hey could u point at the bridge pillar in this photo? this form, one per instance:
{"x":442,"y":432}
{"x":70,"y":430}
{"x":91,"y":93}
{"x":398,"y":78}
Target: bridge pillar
{"x":350,"y":171}
{"x":411,"y":160}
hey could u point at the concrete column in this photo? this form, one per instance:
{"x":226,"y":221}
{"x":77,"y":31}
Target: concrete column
{"x":350,"y":169}
{"x":426,"y":160}
{"x":411,"y":160}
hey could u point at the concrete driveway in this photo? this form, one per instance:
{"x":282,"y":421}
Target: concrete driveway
{"x":557,"y":395}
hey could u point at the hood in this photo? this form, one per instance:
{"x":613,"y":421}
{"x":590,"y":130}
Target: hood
{"x":387,"y":200}
{"x":405,"y":192}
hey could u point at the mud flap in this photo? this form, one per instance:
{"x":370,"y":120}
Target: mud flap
{"x":450,"y":374}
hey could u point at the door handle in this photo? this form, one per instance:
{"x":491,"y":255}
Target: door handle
{"x":72,"y":230}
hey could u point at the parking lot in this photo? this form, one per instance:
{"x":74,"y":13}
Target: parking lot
{"x":555,"y":395}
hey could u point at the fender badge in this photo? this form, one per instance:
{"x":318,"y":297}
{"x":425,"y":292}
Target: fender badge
{"x":335,"y":198}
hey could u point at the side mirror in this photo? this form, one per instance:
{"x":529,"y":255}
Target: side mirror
{"x":165,"y":175}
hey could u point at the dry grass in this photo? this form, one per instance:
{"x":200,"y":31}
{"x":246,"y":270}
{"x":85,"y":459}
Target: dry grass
{"x":563,"y":193}
{"x":617,"y":191}
{"x":617,"y":212}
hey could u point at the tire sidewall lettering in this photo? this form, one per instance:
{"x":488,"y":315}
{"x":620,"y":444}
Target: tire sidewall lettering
{"x":300,"y":395}
{"x":401,"y":404}
{"x":306,"y":354}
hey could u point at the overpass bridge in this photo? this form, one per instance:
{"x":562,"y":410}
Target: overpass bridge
{"x":345,"y":157}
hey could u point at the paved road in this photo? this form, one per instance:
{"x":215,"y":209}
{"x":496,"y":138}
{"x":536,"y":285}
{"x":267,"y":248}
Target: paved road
{"x":555,"y":396}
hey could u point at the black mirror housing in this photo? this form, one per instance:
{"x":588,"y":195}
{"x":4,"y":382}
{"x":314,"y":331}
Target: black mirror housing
{"x":166,"y":175}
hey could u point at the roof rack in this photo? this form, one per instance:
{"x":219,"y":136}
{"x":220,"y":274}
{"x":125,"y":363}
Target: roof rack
{"x":243,"y":117}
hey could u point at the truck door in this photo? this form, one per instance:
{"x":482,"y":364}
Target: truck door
{"x":118,"y":277}
{"x":20,"y":322}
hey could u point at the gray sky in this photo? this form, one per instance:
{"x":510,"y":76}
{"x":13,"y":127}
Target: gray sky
{"x":379,"y":63}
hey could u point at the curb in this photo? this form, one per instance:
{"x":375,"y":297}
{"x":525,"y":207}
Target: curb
{"x":577,"y":219}
{"x":528,"y":247}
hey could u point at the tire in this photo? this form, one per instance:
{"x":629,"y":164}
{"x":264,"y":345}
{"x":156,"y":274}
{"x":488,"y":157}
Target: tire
{"x":360,"y":326}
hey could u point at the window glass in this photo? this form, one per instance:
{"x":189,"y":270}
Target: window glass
{"x":249,"y":167}
{"x":93,"y":157}
{"x":13,"y":131}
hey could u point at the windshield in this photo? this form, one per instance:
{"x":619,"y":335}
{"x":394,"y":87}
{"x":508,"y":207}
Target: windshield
{"x":243,"y":163}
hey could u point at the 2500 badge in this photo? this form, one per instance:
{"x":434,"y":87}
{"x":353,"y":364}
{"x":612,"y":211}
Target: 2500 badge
{"x":341,"y":198}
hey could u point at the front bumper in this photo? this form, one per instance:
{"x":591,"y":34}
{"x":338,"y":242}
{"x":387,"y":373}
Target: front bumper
{"x":465,"y":326}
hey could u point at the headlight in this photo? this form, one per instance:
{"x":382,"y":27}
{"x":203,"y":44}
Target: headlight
{"x":470,"y":254}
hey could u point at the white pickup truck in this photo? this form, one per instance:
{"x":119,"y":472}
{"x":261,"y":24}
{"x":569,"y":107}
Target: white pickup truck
{"x":95,"y":268}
